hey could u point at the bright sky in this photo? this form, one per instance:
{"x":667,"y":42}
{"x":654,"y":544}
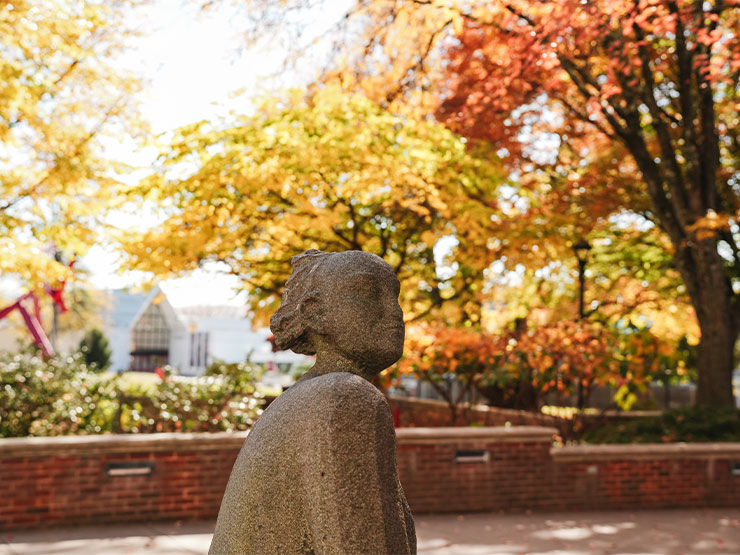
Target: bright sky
{"x":195,"y":62}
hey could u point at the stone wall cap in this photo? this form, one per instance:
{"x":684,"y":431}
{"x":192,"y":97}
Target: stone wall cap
{"x":434,"y":403}
{"x":515,"y":414}
{"x":118,"y":443}
{"x":586,"y":453}
{"x":63,"y":446}
{"x":625,"y":414}
{"x":475,"y":433}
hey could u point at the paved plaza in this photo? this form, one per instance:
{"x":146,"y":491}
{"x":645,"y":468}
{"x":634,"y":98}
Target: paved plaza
{"x":695,"y":531}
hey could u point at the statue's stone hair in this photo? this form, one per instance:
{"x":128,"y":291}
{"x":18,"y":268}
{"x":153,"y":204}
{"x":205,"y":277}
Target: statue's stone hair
{"x":287,"y":324}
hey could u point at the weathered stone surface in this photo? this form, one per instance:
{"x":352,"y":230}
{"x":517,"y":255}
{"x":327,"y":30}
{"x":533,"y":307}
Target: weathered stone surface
{"x":317,"y":473}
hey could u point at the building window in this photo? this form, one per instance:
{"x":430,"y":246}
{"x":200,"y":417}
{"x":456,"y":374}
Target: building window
{"x":199,"y":349}
{"x":150,"y":341}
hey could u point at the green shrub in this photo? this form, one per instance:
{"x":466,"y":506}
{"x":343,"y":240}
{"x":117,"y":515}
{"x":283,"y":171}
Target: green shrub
{"x":224,"y":398}
{"x":62,"y":396}
{"x":695,"y":424}
{"x":38,"y":396}
{"x":96,"y":350}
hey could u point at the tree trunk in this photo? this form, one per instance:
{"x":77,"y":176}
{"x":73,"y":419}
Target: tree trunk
{"x":703,"y":273}
{"x":453,"y":413}
{"x":715,"y":363}
{"x":666,"y":393}
{"x":446,"y":394}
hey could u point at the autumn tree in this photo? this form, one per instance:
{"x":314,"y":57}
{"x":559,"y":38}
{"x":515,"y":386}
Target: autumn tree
{"x":452,"y":360}
{"x":330,"y":171}
{"x":655,"y":80}
{"x":572,"y":357}
{"x":634,"y":100}
{"x":630,"y":279}
{"x":62,"y":104}
{"x":520,"y":367}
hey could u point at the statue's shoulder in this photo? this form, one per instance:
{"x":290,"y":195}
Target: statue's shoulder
{"x":342,"y":390}
{"x":326,"y":404}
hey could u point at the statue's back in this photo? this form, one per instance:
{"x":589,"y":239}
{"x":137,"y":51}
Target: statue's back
{"x":317,"y":474}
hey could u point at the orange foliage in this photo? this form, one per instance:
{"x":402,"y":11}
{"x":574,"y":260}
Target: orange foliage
{"x":451,"y":359}
{"x":639,"y":98}
{"x":518,"y":368}
{"x":433,"y":352}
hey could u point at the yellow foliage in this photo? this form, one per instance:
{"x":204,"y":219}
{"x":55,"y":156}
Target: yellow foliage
{"x":60,"y":101}
{"x":332,"y":171}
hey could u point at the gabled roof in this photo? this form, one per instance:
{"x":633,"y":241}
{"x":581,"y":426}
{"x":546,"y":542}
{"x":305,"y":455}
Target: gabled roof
{"x":123,"y":309}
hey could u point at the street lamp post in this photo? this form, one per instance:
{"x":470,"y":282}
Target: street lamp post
{"x":581,"y":249}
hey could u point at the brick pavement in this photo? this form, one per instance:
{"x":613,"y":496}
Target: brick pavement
{"x":660,"y":532}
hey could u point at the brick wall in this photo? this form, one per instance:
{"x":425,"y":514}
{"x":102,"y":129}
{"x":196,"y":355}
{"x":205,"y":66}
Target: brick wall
{"x":473,"y":469}
{"x":645,"y":476}
{"x":47,"y":481}
{"x":520,"y":470}
{"x":77,"y":480}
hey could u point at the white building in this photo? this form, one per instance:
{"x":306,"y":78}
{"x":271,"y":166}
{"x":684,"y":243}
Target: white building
{"x":145,"y":332}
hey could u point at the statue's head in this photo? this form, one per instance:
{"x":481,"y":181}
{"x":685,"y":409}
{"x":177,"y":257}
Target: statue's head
{"x":345,"y":302}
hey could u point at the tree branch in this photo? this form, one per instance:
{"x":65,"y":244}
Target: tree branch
{"x":675,"y":177}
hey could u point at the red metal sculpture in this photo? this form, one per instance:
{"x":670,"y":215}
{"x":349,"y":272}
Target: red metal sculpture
{"x":32,"y":318}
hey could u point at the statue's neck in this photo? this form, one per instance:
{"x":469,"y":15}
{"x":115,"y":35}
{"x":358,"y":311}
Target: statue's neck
{"x":331,"y":361}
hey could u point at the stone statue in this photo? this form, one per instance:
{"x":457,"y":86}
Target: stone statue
{"x":317,"y":473}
